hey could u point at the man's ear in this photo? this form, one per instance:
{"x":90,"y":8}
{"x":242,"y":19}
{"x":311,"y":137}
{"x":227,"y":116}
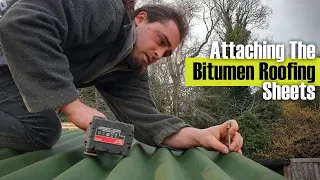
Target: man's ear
{"x":140,"y":18}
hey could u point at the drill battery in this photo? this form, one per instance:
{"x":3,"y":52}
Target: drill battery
{"x":106,"y":136}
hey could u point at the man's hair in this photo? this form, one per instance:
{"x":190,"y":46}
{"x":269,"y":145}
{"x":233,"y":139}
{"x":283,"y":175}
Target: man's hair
{"x":162,"y":13}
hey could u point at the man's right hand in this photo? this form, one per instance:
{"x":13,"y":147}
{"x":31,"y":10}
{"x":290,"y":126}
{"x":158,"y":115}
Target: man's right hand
{"x":80,"y":114}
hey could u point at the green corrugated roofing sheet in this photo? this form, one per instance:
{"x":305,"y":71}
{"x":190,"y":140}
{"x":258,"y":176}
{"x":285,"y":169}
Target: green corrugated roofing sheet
{"x":66,"y":161}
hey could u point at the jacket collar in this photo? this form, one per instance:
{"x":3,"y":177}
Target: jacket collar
{"x":128,"y":33}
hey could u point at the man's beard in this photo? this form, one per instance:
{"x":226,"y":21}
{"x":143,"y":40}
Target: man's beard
{"x":136,"y":65}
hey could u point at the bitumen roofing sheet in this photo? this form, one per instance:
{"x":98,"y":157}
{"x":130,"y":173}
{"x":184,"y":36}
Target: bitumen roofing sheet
{"x":67,"y":161}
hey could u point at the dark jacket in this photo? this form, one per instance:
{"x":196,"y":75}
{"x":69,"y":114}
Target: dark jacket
{"x":54,"y":47}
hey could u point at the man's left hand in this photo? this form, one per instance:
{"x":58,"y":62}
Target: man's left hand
{"x":216,"y":138}
{"x":212,"y":138}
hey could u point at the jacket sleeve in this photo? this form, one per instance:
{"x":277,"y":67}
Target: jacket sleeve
{"x":131,"y":102}
{"x":33,"y":34}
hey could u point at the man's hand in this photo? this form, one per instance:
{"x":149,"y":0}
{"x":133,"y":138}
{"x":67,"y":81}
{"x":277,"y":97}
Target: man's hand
{"x":80,"y":114}
{"x":216,"y":138}
{"x":212,"y":138}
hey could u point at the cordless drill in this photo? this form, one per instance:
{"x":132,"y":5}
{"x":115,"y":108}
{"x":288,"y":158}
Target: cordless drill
{"x":106,"y":136}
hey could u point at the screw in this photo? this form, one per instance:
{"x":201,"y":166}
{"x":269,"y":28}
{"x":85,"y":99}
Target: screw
{"x":228,"y":127}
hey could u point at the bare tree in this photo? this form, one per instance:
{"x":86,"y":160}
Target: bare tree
{"x":237,"y":21}
{"x":239,"y":18}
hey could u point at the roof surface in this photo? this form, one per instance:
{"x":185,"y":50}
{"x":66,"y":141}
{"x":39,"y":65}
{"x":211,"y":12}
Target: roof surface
{"x":67,"y":161}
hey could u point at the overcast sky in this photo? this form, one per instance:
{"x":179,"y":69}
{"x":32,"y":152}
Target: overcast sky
{"x":294,"y":20}
{"x":291,"y":20}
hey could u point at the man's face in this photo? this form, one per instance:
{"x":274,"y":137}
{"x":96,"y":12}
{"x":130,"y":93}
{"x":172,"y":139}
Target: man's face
{"x":153,"y":41}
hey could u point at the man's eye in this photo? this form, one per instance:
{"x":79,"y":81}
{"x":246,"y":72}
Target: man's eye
{"x":161,"y":41}
{"x":167,"y":54}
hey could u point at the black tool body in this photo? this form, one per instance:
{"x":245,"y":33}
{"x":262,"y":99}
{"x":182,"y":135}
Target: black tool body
{"x":106,"y":136}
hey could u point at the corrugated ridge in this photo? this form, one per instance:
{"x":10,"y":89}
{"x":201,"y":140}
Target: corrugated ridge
{"x":132,"y":167}
{"x":68,"y":136}
{"x":65,"y":135}
{"x":50,"y":167}
{"x":193,"y":160}
{"x":243,"y":168}
{"x":88,"y":168}
{"x":12,"y":164}
{"x":7,"y":153}
{"x":165,"y":166}
{"x":92,"y":167}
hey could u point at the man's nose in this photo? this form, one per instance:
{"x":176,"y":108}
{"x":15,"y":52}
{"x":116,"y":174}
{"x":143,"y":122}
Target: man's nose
{"x":159,"y":53}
